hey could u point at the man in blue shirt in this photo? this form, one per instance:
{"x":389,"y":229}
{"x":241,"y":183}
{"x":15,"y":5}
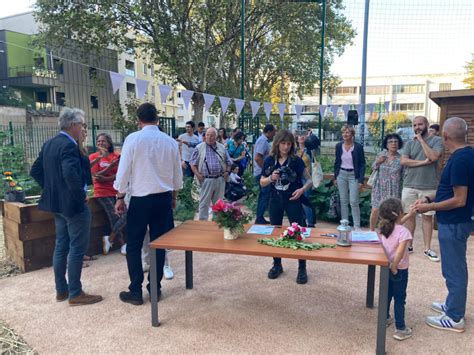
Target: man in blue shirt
{"x":453,"y":204}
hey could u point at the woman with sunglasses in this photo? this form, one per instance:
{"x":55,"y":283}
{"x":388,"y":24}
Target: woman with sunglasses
{"x":388,"y":183}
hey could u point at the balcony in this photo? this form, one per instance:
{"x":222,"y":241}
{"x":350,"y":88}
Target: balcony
{"x":45,"y":107}
{"x":32,"y":76}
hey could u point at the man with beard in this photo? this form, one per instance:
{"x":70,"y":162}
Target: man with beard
{"x":419,"y":157}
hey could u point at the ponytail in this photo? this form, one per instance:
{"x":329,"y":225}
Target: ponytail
{"x":389,"y":211}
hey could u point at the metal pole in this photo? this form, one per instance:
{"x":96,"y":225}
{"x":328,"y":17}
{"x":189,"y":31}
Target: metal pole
{"x":10,"y":128}
{"x":242,"y":55}
{"x":321,"y":65}
{"x":363,"y":86}
{"x":94,"y":148}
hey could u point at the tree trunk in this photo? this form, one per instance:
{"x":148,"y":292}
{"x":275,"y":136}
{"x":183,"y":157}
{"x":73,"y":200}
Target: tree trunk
{"x":198,"y":107}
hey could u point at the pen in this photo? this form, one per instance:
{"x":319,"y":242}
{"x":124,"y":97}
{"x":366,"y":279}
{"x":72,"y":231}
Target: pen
{"x":329,"y":235}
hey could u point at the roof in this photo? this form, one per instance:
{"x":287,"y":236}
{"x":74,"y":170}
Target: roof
{"x":438,"y":96}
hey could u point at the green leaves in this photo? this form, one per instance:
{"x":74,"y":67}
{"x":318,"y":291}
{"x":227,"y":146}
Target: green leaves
{"x":293,"y":244}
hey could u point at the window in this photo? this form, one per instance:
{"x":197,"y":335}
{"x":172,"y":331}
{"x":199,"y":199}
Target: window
{"x":152,"y":70}
{"x":60,"y":99}
{"x":94,"y":102}
{"x":409,"y":89}
{"x":42,"y":96}
{"x":408,"y":107}
{"x":378,"y":90}
{"x":144,"y":68}
{"x":153,"y":91}
{"x":346,"y":90}
{"x":58,"y":66}
{"x":445,"y":87}
{"x":180,"y":107}
{"x":92,"y":73}
{"x":310,"y":108}
{"x":129,"y":68}
{"x":130,"y":90}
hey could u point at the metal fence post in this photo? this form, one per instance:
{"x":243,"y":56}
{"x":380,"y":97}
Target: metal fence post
{"x":94,"y":148}
{"x":382,"y":131}
{"x":10,"y":129}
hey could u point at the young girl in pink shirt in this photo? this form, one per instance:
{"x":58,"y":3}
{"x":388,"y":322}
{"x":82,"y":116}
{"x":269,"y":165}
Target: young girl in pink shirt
{"x":395,"y":238}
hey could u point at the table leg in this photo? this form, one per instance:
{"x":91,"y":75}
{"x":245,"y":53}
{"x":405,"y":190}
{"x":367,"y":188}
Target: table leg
{"x":382,"y":313}
{"x":154,"y":292}
{"x":370,"y":287}
{"x":189,"y":269}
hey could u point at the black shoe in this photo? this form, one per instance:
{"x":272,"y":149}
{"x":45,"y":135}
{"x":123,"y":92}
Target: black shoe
{"x":275,"y":271}
{"x":149,"y":293}
{"x":261,"y":221}
{"x":128,"y":297}
{"x":302,"y":276}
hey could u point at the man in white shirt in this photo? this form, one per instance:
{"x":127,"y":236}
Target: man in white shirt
{"x":150,"y":169}
{"x":201,"y":132}
{"x":188,"y":141}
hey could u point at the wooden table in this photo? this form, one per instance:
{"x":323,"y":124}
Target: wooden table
{"x":207,"y":237}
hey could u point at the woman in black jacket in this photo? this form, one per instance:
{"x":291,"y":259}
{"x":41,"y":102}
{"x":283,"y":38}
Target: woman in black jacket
{"x":349,"y":172}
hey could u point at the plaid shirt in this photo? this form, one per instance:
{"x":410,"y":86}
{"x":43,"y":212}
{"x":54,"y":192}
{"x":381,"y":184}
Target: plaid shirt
{"x":212,"y":165}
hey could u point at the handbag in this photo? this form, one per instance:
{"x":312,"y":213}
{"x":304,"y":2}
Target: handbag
{"x":373,"y":178}
{"x":317,"y":175}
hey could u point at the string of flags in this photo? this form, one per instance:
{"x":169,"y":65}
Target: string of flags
{"x":186,"y":95}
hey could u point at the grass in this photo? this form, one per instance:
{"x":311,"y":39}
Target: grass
{"x":12,"y":343}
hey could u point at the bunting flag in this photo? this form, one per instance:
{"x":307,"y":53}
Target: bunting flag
{"x":239,"y":105}
{"x":186,"y":95}
{"x":386,"y":104}
{"x":281,"y":109}
{"x":322,"y":110}
{"x":142,"y":86}
{"x":224,"y":103}
{"x":359,"y":109}
{"x":164,"y":92}
{"x":334,"y":109}
{"x":267,"y":107}
{"x":370,"y":108}
{"x":208,"y":100}
{"x":298,"y":110}
{"x":116,"y":80}
{"x":346,"y":109}
{"x":255,"y":106}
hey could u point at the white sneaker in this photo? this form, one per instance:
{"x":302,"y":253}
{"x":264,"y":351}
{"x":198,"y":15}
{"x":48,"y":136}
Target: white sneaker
{"x":123,"y":249}
{"x":146,"y":267}
{"x":403,"y":334}
{"x":430,"y":254}
{"x":438,"y":307}
{"x":168,"y":272}
{"x":444,"y":322}
{"x":106,"y":244}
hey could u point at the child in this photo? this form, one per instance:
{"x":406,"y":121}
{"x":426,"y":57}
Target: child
{"x":234,"y":175}
{"x":395,"y":238}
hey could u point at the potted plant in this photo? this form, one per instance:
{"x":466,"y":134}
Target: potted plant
{"x":229,"y":216}
{"x":14,"y":192}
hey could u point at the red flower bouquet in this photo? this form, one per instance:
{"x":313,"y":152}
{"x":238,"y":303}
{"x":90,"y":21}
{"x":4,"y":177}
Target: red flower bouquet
{"x":295,"y":232}
{"x":229,"y":215}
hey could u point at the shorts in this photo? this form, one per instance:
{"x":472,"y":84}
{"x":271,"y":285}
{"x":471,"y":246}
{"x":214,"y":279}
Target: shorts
{"x":410,"y":196}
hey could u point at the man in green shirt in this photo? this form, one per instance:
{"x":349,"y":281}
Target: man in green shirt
{"x":420,"y":157}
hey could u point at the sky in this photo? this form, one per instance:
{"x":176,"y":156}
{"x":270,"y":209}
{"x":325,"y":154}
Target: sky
{"x":405,"y":36}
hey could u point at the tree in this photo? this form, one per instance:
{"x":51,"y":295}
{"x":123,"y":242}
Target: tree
{"x":393,"y":120}
{"x":8,"y":97}
{"x":197,"y":42}
{"x":469,"y":81}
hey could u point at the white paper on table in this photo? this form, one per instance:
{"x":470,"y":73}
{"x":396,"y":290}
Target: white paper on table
{"x":258,"y":229}
{"x":307,"y":234}
{"x":365,"y":237}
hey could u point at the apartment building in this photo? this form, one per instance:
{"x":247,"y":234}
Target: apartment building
{"x":405,"y":93}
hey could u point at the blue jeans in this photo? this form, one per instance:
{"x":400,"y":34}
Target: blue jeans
{"x":397,"y":289}
{"x":263,"y":196}
{"x":72,"y":239}
{"x":309,"y":212}
{"x":453,"y":245}
{"x":348,"y":188}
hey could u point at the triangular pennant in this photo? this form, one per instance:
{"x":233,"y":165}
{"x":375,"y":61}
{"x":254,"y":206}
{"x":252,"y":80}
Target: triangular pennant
{"x":281,"y":109}
{"x":359,"y":109}
{"x":239,"y":105}
{"x":142,"y":86}
{"x":186,"y":95}
{"x":224,"y":103}
{"x":386,"y":104}
{"x":334,"y":109}
{"x":208,"y":100}
{"x":322,"y":110}
{"x":267,"y":107}
{"x":346,"y":109}
{"x":116,"y":80}
{"x":298,"y":110}
{"x":255,"y":106}
{"x":164,"y":92}
{"x":370,"y":107}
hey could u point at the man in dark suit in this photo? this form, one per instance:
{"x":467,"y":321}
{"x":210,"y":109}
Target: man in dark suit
{"x":60,"y":172}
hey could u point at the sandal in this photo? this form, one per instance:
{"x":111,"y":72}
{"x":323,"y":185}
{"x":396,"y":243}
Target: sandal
{"x":89,"y":257}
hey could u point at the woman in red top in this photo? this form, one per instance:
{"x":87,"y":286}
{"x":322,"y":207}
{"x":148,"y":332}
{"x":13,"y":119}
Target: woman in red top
{"x":104,"y":165}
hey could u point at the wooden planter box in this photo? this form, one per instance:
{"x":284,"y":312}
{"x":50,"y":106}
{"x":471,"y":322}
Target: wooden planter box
{"x":30,"y":234}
